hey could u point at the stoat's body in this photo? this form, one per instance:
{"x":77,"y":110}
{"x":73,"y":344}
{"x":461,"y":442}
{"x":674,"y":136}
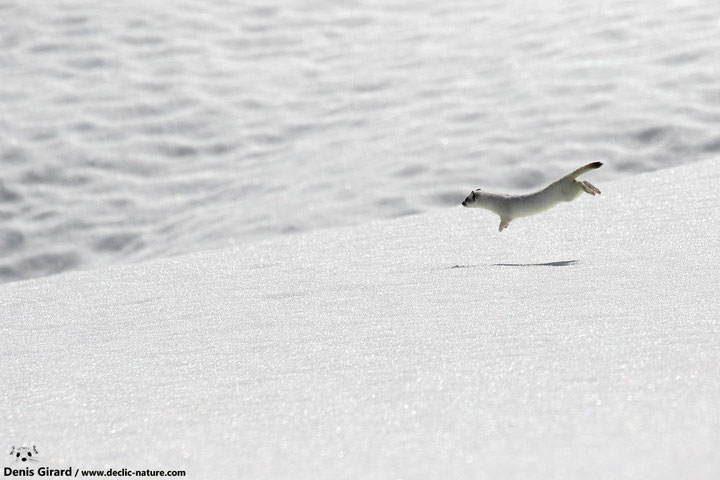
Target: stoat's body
{"x":510,"y":207}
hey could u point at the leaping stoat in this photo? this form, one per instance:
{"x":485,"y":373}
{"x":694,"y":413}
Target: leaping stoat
{"x":510,"y":207}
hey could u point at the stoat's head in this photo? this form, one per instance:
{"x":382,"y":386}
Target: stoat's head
{"x":474,"y":200}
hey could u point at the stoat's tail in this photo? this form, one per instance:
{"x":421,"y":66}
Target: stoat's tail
{"x":584,"y":169}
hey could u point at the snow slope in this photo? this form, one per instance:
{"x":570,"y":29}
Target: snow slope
{"x":173,"y":126}
{"x":581,"y":343}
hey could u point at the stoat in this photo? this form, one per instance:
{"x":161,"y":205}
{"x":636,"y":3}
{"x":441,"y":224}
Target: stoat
{"x":510,"y":207}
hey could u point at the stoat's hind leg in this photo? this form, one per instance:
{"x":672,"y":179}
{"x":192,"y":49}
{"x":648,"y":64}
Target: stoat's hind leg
{"x":589,"y":187}
{"x":504,"y":222}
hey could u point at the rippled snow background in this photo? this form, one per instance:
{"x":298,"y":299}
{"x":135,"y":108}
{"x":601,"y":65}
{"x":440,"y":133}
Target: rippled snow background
{"x":139,"y":129}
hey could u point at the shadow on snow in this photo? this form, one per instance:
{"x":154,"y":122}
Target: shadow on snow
{"x":559,"y":263}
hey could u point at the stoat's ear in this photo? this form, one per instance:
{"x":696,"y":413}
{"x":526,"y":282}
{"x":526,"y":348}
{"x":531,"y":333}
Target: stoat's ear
{"x":477,"y":189}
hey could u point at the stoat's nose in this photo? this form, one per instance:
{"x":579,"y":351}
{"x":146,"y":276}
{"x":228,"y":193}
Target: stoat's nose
{"x":463,"y":204}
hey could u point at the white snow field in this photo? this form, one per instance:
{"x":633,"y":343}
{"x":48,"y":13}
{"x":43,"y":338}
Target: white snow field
{"x":168,"y":127}
{"x":582,"y":343}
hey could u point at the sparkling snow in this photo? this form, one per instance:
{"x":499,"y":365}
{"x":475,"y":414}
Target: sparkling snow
{"x":580,"y":343}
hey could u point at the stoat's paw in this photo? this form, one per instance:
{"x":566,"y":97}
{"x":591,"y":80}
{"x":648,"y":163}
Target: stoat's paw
{"x":590,"y":188}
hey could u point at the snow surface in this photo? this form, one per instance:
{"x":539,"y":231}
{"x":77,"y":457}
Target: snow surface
{"x":580,"y":343}
{"x":173,"y":126}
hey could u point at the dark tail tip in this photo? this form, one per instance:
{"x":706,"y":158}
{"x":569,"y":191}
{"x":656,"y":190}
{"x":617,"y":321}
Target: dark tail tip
{"x":596,"y":164}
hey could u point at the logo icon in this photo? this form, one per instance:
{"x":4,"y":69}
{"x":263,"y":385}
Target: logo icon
{"x":24,"y":454}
